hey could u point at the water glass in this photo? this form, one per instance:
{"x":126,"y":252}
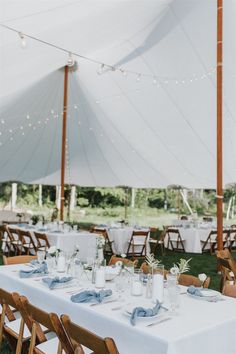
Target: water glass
{"x":137,"y":285}
{"x":75,"y":228}
{"x":41,"y":256}
{"x":173,"y":292}
{"x":120,"y":284}
{"x":50,"y":264}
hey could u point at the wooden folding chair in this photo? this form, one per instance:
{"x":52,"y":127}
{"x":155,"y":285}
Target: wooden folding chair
{"x":137,"y":247}
{"x":42,"y":242}
{"x":187,"y":280}
{"x":228,"y":271}
{"x":232,"y":238}
{"x":174,"y":240}
{"x":5,"y":240}
{"x":40,"y":327}
{"x":184,"y":217}
{"x":11,"y":327}
{"x":28,"y":245}
{"x":229,"y":290}
{"x":108,"y":250}
{"x":126,"y":261}
{"x":14,"y":240}
{"x":209,"y":245}
{"x":18,"y":259}
{"x":81,"y":336}
{"x":158,"y":243}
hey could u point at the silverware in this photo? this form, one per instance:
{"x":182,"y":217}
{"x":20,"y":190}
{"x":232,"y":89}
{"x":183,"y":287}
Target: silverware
{"x":103,"y":303}
{"x":157,"y":322}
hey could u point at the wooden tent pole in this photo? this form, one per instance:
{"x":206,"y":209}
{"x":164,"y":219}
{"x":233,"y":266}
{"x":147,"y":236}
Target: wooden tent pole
{"x":219,"y":193}
{"x":63,"y":144}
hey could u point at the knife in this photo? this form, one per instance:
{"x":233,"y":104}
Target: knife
{"x":157,"y":322}
{"x":103,"y":303}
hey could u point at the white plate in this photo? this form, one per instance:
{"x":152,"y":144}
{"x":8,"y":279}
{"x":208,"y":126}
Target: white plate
{"x":129,"y":309}
{"x":208,"y":295}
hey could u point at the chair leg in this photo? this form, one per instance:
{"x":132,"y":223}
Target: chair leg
{"x":19,"y":341}
{"x":2,"y":320}
{"x":33,"y":339}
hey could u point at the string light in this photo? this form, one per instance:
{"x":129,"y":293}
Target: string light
{"x":101,"y":69}
{"x":70,"y":61}
{"x":102,"y":66}
{"x":23,"y":40}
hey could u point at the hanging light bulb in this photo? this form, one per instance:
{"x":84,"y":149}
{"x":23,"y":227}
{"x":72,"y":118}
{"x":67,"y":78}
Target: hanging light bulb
{"x":23,"y":40}
{"x":100,"y":69}
{"x":154,"y":81}
{"x":138,"y":78}
{"x":70,"y":61}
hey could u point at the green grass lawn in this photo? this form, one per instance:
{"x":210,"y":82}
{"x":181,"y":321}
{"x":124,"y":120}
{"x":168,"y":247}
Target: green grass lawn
{"x":200,"y":263}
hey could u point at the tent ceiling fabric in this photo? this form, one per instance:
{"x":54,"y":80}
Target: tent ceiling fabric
{"x":121,"y":131}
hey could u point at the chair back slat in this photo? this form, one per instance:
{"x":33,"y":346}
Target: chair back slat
{"x":88,"y":339}
{"x":41,"y":240}
{"x":18,"y":259}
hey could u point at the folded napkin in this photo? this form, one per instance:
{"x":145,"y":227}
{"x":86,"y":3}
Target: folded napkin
{"x":89,"y":295}
{"x":142,"y":312}
{"x":38,"y":269}
{"x":194,"y":291}
{"x":53,"y":282}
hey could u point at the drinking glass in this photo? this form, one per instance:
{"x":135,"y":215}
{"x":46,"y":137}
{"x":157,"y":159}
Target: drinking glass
{"x":75,"y":228}
{"x":173,"y":292}
{"x":50,"y":263}
{"x":40,"y":256}
{"x":120,"y":284}
{"x":137,"y":284}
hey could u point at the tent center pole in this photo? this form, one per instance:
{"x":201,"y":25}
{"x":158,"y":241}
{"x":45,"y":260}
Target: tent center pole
{"x":63,"y":144}
{"x":219,"y":192}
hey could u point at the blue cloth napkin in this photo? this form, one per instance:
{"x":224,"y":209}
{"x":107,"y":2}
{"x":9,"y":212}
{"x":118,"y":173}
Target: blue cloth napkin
{"x":142,"y":312}
{"x":53,"y":282}
{"x":89,"y":295}
{"x":38,"y":269}
{"x":194,"y":291}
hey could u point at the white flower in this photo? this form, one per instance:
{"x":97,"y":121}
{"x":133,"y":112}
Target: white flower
{"x":202,"y":277}
{"x":52,"y":250}
{"x":119,"y":264}
{"x":123,"y":255}
{"x":174,"y":270}
{"x":100,"y":241}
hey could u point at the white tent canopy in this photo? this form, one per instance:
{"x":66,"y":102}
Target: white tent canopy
{"x":148,"y":130}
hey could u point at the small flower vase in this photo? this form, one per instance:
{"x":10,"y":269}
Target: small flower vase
{"x":100,"y":254}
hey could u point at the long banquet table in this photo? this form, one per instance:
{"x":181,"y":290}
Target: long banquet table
{"x":67,"y":241}
{"x":199,"y":326}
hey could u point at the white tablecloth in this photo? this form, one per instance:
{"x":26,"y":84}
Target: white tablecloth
{"x":121,"y":238}
{"x":67,"y":241}
{"x":199,"y":327}
{"x":193,"y":237}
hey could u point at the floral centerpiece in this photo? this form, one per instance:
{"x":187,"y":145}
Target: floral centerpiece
{"x":181,"y":267}
{"x":152,"y":262}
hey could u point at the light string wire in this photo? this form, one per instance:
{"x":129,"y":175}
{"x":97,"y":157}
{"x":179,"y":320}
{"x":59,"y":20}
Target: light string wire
{"x":104,"y":67}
